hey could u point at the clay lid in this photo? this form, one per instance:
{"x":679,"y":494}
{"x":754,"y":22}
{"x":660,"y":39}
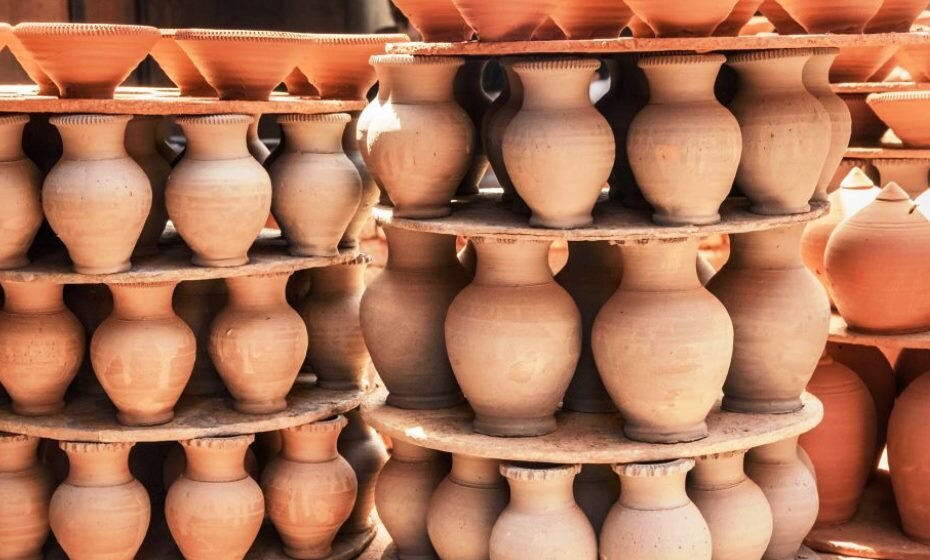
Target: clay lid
{"x":891,"y":209}
{"x":438,"y":21}
{"x":538,"y":471}
{"x":292,"y":118}
{"x":858,"y":64}
{"x":338,"y":65}
{"x":907,"y":113}
{"x":664,"y":468}
{"x":893,"y":193}
{"x":221,"y":442}
{"x":93,"y":447}
{"x":679,"y":59}
{"x":178,"y":66}
{"x":334,"y":424}
{"x":857,"y":179}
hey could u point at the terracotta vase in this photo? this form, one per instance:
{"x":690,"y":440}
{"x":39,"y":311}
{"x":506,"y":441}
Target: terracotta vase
{"x":738,"y":18}
{"x":338,"y":64}
{"x":783,"y":22}
{"x":786,"y":131}
{"x":100,"y":510}
{"x":497,"y":119}
{"x":591,"y":277}
{"x":734,"y":507}
{"x":404,"y":308}
{"x":370,"y":191}
{"x":842,"y":446}
{"x":402,"y":497}
{"x":99,"y":219}
{"x":909,"y":366}
{"x":258,"y":343}
{"x":31,"y":67}
{"x":791,"y":490}
{"x":669,"y":18}
{"x":331,"y":311}
{"x":141,"y":142}
{"x":817,"y":82}
{"x":895,"y":16}
{"x":41,"y":347}
{"x":517,"y":20}
{"x":21,"y":183}
{"x":198,"y":303}
{"x":367,"y":116}
{"x":513,"y":309}
{"x":594,"y":19}
{"x":872,"y":261}
{"x":420,"y":112}
{"x":438,"y":21}
{"x":143,"y":354}
{"x":215,"y":509}
{"x":27,"y":488}
{"x":684,"y":172}
{"x":664,"y":398}
{"x":912,"y":175}
{"x":316,"y":188}
{"x":768,"y":293}
{"x":832,"y":16}
{"x":364,"y":449}
{"x":470,"y":95}
{"x":172,"y":59}
{"x":596,"y":490}
{"x":464,"y":507}
{"x":908,"y":438}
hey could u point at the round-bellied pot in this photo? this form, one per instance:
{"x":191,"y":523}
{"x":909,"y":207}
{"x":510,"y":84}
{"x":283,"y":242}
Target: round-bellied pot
{"x":910,"y":174}
{"x":895,"y":16}
{"x":198,"y":303}
{"x":593,"y":19}
{"x":596,"y":490}
{"x":672,"y":18}
{"x":370,"y":191}
{"x":172,"y":59}
{"x":364,"y":449}
{"x":438,"y":21}
{"x":908,"y":438}
{"x":817,"y":81}
{"x":513,"y":309}
{"x":26,"y":486}
{"x":470,"y":95}
{"x":20,"y":187}
{"x":496,"y":120}
{"x":366,"y":117}
{"x":141,"y":140}
{"x":832,"y":16}
{"x":517,"y":20}
{"x":738,"y":18}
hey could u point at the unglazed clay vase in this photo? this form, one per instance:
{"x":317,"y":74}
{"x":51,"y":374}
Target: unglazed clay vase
{"x":316,"y":189}
{"x":20,"y":187}
{"x":769,"y":293}
{"x":517,"y":20}
{"x":198,"y":303}
{"x":96,"y":198}
{"x":558,"y":149}
{"x":497,"y":119}
{"x":310,"y":489}
{"x":402,"y":497}
{"x":364,"y":449}
{"x":738,"y":18}
{"x":514,"y":339}
{"x":817,"y":81}
{"x":26,"y":486}
{"x":338,"y":64}
{"x":654,"y":519}
{"x":338,"y":355}
{"x":684,"y":171}
{"x":215,"y":509}
{"x":470,"y":95}
{"x":100,"y":510}
{"x":669,"y":18}
{"x":464,"y":507}
{"x":218,"y":166}
{"x":910,"y":174}
{"x":596,"y":490}
{"x":370,"y":191}
{"x":791,"y":490}
{"x":832,"y":16}
{"x":172,"y":59}
{"x":405,"y":307}
{"x":258,"y":343}
{"x":872,"y":260}
{"x":734,"y":507}
{"x":41,"y":347}
{"x":591,"y":276}
{"x":909,"y":366}
{"x":908,"y":438}
{"x":594,"y":19}
{"x":895,"y":16}
{"x":786,"y":131}
{"x":141,"y":142}
{"x":438,"y":21}
{"x":143,"y":354}
{"x":842,"y":446}
{"x":664,"y":398}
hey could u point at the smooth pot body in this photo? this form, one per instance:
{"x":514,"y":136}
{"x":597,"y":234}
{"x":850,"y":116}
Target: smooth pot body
{"x":20,"y":187}
{"x":26,"y":487}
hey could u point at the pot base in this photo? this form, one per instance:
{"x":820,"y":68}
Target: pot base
{"x":308,"y":554}
{"x":422,"y":213}
{"x":756,"y":406}
{"x":339,"y":385}
{"x":312,"y":250}
{"x":647,"y":435}
{"x":129,"y":419}
{"x":47,"y":409}
{"x":775,"y":210}
{"x":266,"y":407}
{"x":668,"y":220}
{"x":564,"y":223}
{"x":220,"y":263}
{"x":73,"y":91}
{"x":432,"y":402}
{"x":91,"y":270}
{"x":514,"y":427}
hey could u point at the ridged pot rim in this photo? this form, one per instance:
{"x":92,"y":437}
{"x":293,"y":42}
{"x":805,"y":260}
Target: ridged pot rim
{"x":657,"y":469}
{"x":94,"y":446}
{"x":898,"y":97}
{"x":530,"y":472}
{"x":60,"y":29}
{"x":10,"y":437}
{"x":411,"y":60}
{"x":223,"y":119}
{"x":88,"y":119}
{"x":766,"y":55}
{"x":680,"y":59}
{"x":296,"y":118}
{"x":555,"y":64}
{"x":219,"y":442}
{"x":333,"y":424}
{"x":357,"y":38}
{"x":240,"y":35}
{"x":13,"y":118}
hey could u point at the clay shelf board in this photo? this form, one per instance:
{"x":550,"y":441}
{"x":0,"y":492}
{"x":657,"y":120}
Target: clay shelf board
{"x":485,"y":216}
{"x":879,"y":87}
{"x":583,"y":438}
{"x":887,"y":153}
{"x":840,"y":332}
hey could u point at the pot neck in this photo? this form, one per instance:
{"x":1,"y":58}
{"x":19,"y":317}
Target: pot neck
{"x":654,"y":486}
{"x":771,"y":249}
{"x":33,"y":298}
{"x":542,"y":493}
{"x":11,"y":139}
{"x":421,"y":83}
{"x":342,"y":279}
{"x":314,"y":136}
{"x":141,"y":302}
{"x":217,"y":137}
{"x":513,"y":86}
{"x":778,"y":453}
{"x":220,"y":459}
{"x":92,"y":137}
{"x":349,"y":139}
{"x":659,"y":267}
{"x":416,"y":250}
{"x":476,"y":472}
{"x":312,"y":443}
{"x":688,"y":80}
{"x":384,"y":82}
{"x":409,"y":453}
{"x":266,"y":290}
{"x":98,"y":464}
{"x":141,"y":135}
{"x":716,"y":472}
{"x":772,"y":75}
{"x":503,"y":262}
{"x":554,"y":86}
{"x":816,"y":75}
{"x":356,"y":429}
{"x":17,"y":453}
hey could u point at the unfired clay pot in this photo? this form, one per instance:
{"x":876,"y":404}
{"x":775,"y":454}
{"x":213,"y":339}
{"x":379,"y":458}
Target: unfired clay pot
{"x":669,"y":18}
{"x":770,"y":294}
{"x":514,"y":339}
{"x":909,"y":366}
{"x":465,"y":506}
{"x":684,"y":171}
{"x":497,"y":119}
{"x":895,"y":16}
{"x":542,"y":520}
{"x":593,"y":19}
{"x":734,"y":507}
{"x":908,"y":438}
{"x":438,"y":21}
{"x":832,"y":16}
{"x":370,"y":191}
{"x":596,"y":490}
{"x":337,"y":65}
{"x":217,"y":166}
{"x":141,"y":142}
{"x":516,"y":20}
{"x":20,"y":181}
{"x":215,"y":509}
{"x":41,"y":347}
{"x":910,"y":174}
{"x":817,"y":82}
{"x":470,"y":95}
{"x":904,"y":112}
{"x":179,"y":68}
{"x":96,"y":198}
{"x":26,"y":486}
{"x":100,"y":510}
{"x":198,"y":303}
{"x":738,"y":18}
{"x":663,"y":397}
{"x":405,"y":307}
{"x":364,"y":449}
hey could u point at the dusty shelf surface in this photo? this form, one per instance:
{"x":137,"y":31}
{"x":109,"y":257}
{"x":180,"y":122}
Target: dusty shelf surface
{"x":840,"y":332}
{"x":888,"y":152}
{"x":878,"y":87}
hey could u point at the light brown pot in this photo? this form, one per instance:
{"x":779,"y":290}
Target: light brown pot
{"x":141,"y":141}
{"x":738,"y":18}
{"x":337,"y":65}
{"x":908,"y":438}
{"x":100,"y":510}
{"x":31,"y":67}
{"x":832,"y":16}
{"x":909,"y":366}
{"x":218,"y":166}
{"x":904,"y":112}
{"x":364,"y":449}
{"x":895,"y":16}
{"x":21,"y":182}
{"x":596,"y":490}
{"x":178,"y":66}
{"x":101,"y":220}
{"x":198,"y":303}
{"x":858,"y":64}
{"x":370,"y":191}
{"x":673,"y":18}
{"x":867,"y":128}
{"x":405,"y":307}
{"x":496,"y":120}
{"x":817,"y":81}
{"x":26,"y":486}
{"x":591,"y":19}
{"x":912,"y":175}
{"x":438,"y":21}
{"x":513,"y":309}
{"x":664,"y":398}
{"x":516,"y":20}
{"x":258,"y":343}
{"x":215,"y":509}
{"x":469,"y":93}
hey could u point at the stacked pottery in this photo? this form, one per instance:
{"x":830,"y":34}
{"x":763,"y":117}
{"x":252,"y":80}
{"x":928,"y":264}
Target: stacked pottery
{"x":364,"y":449}
{"x":26,"y":487}
{"x":437,"y":20}
{"x":20,"y":181}
{"x":668,"y":18}
{"x":908,"y":440}
{"x":517,"y":20}
{"x":817,"y":82}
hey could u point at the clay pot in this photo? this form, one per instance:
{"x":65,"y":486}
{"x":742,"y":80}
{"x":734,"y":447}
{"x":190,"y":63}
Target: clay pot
{"x":178,"y":66}
{"x":143,"y":354}
{"x":367,"y":116}
{"x":405,"y":307}
{"x":786,"y":131}
{"x":420,"y":112}
{"x":734,"y":507}
{"x":596,"y":490}
{"x":592,"y":19}
{"x":27,"y":488}
{"x":542,"y":519}
{"x":99,"y":220}
{"x":842,"y":446}
{"x":817,"y":82}
{"x":665,"y":155}
{"x":337,"y":65}
{"x":516,"y":20}
{"x":872,"y":261}
{"x":141,"y":141}
{"x":895,"y":16}
{"x":558,"y":149}
{"x":331,"y":311}
{"x":832,"y":16}
{"x":364,"y":449}
{"x":908,"y":437}
{"x":402,"y":496}
{"x":910,"y":174}
{"x":215,"y":509}
{"x":669,"y":18}
{"x":197,"y":303}
{"x":470,"y":95}
{"x":87,"y":60}
{"x":370,"y":190}
{"x":909,"y":366}
{"x":21,"y":183}
{"x":783,"y":22}
{"x":513,"y":309}
{"x":769,"y":293}
{"x":100,"y":510}
{"x":497,"y":119}
{"x":31,"y":67}
{"x":903,"y":112}
{"x":857,"y":64}
{"x":738,"y":18}
{"x":316,"y":188}
{"x":218,"y":166}
{"x":41,"y":347}
{"x":867,"y":128}
{"x":664,"y":398}
{"x":258,"y":343}
{"x":591,"y":277}
{"x":464,"y":507}
{"x":438,"y":21}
